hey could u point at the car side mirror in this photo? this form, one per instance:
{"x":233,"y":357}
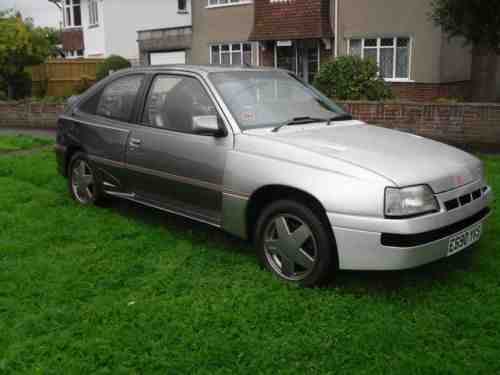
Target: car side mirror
{"x":208,"y":125}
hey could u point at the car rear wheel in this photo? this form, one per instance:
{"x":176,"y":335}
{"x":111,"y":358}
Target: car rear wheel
{"x":83,"y":181}
{"x":294,"y":244}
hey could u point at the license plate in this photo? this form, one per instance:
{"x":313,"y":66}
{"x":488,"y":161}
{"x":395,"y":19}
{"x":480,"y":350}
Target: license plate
{"x":460,"y":241}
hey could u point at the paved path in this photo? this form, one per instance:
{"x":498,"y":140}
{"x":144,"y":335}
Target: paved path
{"x":40,"y":133}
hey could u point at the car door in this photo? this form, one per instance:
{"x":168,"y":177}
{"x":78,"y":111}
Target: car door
{"x":172,"y":166}
{"x":103,"y":126}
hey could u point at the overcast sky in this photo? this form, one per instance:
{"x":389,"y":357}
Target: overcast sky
{"x":43,"y":12}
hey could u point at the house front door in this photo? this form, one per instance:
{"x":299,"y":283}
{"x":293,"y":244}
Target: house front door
{"x":300,"y":57}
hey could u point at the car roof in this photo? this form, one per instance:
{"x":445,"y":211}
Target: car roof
{"x":200,"y":69}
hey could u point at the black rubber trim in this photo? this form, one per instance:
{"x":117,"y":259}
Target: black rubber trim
{"x":412,"y":240}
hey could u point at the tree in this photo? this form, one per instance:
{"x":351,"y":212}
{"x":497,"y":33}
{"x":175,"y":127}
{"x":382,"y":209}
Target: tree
{"x":21,"y":45}
{"x":478,"y":22}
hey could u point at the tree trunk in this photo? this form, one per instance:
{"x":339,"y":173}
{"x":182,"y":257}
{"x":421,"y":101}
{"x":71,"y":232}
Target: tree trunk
{"x":10,"y":91}
{"x":484,"y":74}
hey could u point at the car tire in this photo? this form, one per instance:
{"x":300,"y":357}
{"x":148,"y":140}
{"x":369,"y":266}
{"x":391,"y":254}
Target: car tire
{"x":295,"y":243}
{"x":83,"y":181}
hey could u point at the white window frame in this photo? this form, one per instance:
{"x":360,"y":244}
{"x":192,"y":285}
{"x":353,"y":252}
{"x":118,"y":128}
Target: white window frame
{"x":379,"y":46}
{"x":71,"y":7}
{"x":230,"y":52}
{"x":93,"y":13}
{"x":226,"y":3}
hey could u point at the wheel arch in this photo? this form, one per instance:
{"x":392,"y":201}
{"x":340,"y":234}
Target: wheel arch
{"x":268,"y":194}
{"x":70,"y":152}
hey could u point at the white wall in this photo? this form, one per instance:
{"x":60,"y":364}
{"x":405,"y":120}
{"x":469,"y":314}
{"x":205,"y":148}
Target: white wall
{"x":94,"y":37}
{"x":125,"y":17}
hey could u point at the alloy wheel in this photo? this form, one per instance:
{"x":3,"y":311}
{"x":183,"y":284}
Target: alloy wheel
{"x":290,"y":247}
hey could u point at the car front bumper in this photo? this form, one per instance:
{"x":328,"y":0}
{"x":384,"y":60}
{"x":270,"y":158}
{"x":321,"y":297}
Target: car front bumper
{"x":382,"y":244}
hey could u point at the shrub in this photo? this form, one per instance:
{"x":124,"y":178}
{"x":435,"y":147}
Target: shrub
{"x":111,"y":64}
{"x":352,"y":78}
{"x":21,"y":85}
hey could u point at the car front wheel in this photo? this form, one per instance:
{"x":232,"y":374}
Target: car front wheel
{"x":295,"y":244}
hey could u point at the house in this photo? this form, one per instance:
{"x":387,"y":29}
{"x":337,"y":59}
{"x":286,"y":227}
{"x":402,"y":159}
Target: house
{"x":413,"y":54}
{"x":100,"y":28}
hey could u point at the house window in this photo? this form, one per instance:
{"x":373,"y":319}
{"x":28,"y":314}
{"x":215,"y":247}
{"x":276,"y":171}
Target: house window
{"x":72,"y":13}
{"x":182,"y":6}
{"x":231,"y":54}
{"x":93,"y":13}
{"x":392,"y":55}
{"x":225,"y":2}
{"x":74,"y":54}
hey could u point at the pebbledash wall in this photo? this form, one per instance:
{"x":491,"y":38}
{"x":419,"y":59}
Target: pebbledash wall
{"x":468,"y":125}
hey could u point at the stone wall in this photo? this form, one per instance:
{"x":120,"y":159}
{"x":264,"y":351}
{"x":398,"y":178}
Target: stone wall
{"x":466,"y":125}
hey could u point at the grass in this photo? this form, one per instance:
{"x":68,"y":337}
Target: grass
{"x":21,"y":142}
{"x":121,"y":289}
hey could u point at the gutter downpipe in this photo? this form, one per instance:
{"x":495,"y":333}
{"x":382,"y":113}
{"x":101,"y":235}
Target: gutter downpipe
{"x":337,"y":28}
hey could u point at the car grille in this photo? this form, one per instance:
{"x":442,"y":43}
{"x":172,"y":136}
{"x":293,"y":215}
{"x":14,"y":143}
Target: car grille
{"x":464,"y":200}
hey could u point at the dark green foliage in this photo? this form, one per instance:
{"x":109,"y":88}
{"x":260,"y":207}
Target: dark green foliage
{"x":21,"y":45}
{"x":21,"y":81}
{"x":122,"y":289}
{"x":112,"y":64}
{"x":478,"y":21}
{"x":352,"y":78}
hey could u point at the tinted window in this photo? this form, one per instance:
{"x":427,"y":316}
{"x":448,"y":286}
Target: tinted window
{"x":118,"y":98}
{"x":173,"y":102}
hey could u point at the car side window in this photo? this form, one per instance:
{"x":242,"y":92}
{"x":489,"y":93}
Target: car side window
{"x":117,"y":100}
{"x":173,"y":101}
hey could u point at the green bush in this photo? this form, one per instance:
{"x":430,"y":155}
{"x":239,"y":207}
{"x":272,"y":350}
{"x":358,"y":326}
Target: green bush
{"x":352,"y":78}
{"x":21,"y":85}
{"x":111,"y":64}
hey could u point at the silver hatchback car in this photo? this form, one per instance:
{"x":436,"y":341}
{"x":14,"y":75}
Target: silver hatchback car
{"x":266,"y":157}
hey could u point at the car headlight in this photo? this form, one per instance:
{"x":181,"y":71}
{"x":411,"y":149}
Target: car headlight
{"x":409,"y":201}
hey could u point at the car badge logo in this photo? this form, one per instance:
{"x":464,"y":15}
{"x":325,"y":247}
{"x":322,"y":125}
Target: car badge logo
{"x":459,"y":180}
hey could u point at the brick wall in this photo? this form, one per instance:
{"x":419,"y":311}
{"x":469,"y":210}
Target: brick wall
{"x":466,"y":125}
{"x":291,"y":19}
{"x":427,"y":92}
{"x":29,"y":115}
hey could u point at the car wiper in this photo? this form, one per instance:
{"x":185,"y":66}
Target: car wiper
{"x":340,"y":117}
{"x":299,"y":121}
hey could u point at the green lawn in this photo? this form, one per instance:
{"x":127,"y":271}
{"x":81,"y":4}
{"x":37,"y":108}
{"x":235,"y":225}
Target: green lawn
{"x":125,"y":290}
{"x":21,"y":142}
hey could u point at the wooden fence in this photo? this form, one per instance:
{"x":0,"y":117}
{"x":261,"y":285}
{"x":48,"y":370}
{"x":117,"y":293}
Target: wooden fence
{"x":62,"y":77}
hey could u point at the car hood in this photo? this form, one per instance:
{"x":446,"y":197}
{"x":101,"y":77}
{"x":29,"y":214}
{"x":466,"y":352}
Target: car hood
{"x":403,"y":158}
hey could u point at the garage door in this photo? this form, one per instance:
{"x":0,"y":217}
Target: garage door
{"x":164,"y":58}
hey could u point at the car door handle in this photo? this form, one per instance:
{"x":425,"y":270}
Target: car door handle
{"x":134,"y":142}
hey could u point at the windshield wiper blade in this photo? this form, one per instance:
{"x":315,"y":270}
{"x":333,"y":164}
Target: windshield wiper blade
{"x":299,"y":121}
{"x":340,"y":117}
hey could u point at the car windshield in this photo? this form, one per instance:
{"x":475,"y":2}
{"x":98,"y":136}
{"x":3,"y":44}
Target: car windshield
{"x":260,"y":99}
